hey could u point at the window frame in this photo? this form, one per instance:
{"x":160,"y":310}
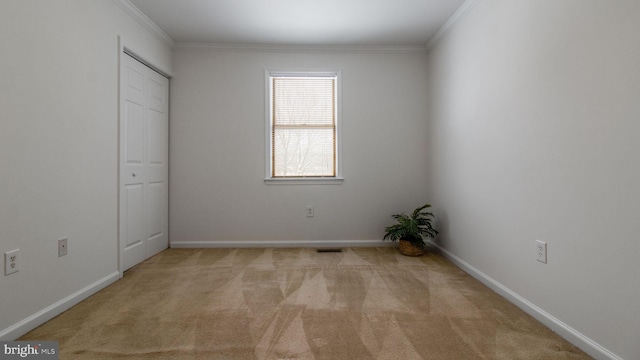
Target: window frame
{"x":309,"y":180}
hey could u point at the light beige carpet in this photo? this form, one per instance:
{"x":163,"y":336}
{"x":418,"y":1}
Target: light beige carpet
{"x":363,"y":303}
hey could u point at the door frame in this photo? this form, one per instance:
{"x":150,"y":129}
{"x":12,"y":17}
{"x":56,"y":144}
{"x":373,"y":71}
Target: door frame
{"x":127,"y":48}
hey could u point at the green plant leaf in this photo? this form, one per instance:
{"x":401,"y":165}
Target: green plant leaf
{"x":412,"y":227}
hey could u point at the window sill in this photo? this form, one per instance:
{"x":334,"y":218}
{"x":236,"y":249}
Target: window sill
{"x":304,"y":181}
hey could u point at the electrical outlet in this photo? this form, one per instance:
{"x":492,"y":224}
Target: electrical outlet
{"x":309,"y":210}
{"x":541,"y":251}
{"x":62,"y":247}
{"x":11,"y":262}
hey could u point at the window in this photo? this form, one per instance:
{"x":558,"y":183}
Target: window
{"x":303,"y":135}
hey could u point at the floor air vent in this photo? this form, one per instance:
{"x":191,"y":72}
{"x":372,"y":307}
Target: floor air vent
{"x":328,"y":250}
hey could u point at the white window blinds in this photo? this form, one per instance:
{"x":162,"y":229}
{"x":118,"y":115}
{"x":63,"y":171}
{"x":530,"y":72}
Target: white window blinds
{"x":303,"y":126}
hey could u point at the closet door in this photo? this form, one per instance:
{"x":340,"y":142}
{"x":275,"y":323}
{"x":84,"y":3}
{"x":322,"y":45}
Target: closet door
{"x":144,"y":155}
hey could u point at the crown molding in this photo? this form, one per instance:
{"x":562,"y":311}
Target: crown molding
{"x":462,"y":11}
{"x":287,"y":48}
{"x":148,"y":24}
{"x":143,"y":20}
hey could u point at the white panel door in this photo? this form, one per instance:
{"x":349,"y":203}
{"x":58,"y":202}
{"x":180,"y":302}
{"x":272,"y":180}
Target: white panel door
{"x":144,"y":155}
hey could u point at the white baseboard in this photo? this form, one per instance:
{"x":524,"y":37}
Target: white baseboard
{"x":567,"y":332}
{"x":15,"y":331}
{"x":280,"y":244}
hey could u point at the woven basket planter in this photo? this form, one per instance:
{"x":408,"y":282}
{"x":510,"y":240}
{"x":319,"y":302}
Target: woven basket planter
{"x":407,"y":249}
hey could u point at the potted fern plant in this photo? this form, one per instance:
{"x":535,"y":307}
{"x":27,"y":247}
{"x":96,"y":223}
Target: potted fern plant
{"x":410,"y":231}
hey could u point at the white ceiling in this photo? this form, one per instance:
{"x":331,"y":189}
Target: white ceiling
{"x":300,"y":22}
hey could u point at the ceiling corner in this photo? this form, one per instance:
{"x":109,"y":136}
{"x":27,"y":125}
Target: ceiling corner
{"x":141,"y":18}
{"x":462,"y":11}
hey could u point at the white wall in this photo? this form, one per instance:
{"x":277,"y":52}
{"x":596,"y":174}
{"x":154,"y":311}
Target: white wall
{"x":534,"y":135}
{"x":58,"y":149}
{"x":217,"y":192}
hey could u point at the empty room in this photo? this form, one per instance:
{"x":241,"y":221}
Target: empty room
{"x":209,"y":179}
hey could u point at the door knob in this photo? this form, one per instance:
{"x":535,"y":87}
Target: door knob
{"x":134,"y":174}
